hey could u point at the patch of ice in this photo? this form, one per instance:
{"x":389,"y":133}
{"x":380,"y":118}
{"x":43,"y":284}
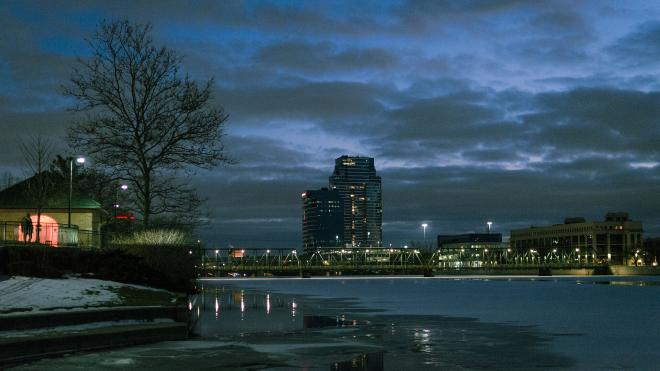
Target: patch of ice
{"x":118,"y":362}
{"x":287,"y":348}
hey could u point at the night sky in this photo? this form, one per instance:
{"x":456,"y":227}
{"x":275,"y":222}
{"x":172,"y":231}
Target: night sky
{"x":521,"y":112}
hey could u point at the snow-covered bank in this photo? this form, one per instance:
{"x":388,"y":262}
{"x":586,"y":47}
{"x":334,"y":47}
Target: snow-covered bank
{"x":36,"y":294}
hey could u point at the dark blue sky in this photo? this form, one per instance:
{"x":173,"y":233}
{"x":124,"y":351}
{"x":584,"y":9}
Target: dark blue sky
{"x":522,"y":112}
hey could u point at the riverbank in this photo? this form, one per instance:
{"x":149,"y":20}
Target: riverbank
{"x":395,"y":323}
{"x":50,"y":317}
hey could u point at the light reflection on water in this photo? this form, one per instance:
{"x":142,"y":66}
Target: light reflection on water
{"x":223,"y":311}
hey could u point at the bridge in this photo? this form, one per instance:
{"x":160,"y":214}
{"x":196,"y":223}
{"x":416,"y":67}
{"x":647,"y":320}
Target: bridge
{"x":384,"y":261}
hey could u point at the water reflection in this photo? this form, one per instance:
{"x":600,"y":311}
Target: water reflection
{"x":226,"y":311}
{"x":628,"y":283}
{"x":372,"y":361}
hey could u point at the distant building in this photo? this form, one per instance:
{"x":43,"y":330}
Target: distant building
{"x":360,"y":188}
{"x":323,"y":218}
{"x":471,"y":238}
{"x":616,"y":239}
{"x":470,"y":249}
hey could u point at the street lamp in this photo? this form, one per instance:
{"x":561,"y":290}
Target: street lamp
{"x":123,"y":187}
{"x":80,"y":161}
{"x":489,"y":224}
{"x":424,"y":227}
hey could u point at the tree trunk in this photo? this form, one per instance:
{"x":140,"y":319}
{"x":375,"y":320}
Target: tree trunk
{"x":147,"y":201}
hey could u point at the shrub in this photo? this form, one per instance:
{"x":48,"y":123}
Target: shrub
{"x":167,"y":267}
{"x":153,"y":237}
{"x":175,"y":264}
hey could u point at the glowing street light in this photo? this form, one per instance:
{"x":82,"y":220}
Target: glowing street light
{"x":79,"y":161}
{"x":489,"y":225}
{"x":123,"y":187}
{"x":424,"y":225}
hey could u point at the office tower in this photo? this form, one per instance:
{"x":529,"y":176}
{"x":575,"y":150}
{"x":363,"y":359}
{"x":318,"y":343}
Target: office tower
{"x":357,"y":183}
{"x":323,"y":219}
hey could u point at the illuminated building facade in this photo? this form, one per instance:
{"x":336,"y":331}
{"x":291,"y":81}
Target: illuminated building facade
{"x":471,"y":250}
{"x":323,"y":218}
{"x":616,"y":240}
{"x":360,"y":188}
{"x":18,"y":200}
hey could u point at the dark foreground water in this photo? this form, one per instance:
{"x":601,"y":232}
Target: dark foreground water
{"x":408,"y":324}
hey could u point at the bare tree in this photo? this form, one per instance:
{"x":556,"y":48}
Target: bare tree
{"x":38,"y":152}
{"x":144,"y":121}
{"x":7,"y":180}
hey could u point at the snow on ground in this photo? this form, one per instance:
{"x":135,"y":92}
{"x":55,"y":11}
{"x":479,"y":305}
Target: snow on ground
{"x":43,"y":293}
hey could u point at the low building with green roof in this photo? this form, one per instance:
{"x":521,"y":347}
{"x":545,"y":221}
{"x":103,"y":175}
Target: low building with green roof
{"x":17,"y":201}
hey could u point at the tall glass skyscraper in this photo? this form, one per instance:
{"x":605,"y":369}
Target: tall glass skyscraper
{"x":356,"y":180}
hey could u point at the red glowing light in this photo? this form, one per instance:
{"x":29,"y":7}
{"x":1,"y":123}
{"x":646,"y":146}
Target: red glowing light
{"x":49,"y":230}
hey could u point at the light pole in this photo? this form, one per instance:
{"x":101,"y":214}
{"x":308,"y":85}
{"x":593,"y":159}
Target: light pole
{"x":424,"y":227}
{"x":123,"y":187}
{"x":79,"y":160}
{"x":489,"y":225}
{"x":369,"y":238}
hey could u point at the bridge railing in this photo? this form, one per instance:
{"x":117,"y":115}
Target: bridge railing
{"x":229,"y":260}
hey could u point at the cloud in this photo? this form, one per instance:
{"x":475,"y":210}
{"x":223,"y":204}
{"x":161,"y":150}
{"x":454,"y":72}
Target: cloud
{"x":474,"y":110}
{"x":640,"y":47}
{"x":324,"y":58}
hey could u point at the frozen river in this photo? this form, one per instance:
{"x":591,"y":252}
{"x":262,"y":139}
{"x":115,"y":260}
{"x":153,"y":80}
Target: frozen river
{"x":411,"y":323}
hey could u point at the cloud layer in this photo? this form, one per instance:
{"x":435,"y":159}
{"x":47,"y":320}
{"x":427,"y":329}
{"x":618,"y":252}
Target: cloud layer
{"x":514,"y":111}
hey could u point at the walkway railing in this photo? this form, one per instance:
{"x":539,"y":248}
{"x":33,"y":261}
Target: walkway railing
{"x":51,"y":234}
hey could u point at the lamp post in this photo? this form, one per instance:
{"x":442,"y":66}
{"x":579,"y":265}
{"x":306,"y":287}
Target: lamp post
{"x":489,"y":224}
{"x":80,"y":161}
{"x":424,"y":227}
{"x":123,"y":187}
